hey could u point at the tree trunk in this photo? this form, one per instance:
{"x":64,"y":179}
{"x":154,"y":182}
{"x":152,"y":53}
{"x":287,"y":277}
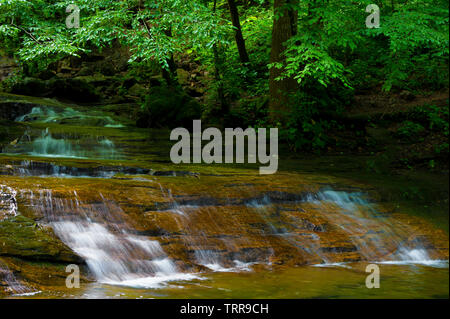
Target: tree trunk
{"x":240,"y":42}
{"x":284,"y":27}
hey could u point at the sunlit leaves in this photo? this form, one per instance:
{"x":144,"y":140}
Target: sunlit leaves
{"x":153,"y":30}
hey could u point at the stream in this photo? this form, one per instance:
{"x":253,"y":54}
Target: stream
{"x":142,"y":227}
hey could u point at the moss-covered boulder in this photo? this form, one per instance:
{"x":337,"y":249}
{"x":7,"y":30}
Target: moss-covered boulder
{"x":30,"y":86}
{"x":168,"y":107}
{"x":21,"y":237}
{"x":74,"y":89}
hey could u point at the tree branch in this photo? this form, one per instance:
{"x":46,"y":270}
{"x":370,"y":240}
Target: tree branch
{"x":26,"y":32}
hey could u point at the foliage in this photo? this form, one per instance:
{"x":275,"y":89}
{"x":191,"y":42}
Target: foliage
{"x":153,"y":31}
{"x":332,"y":55}
{"x":417,"y":34}
{"x":433,"y":117}
{"x":410,"y":130}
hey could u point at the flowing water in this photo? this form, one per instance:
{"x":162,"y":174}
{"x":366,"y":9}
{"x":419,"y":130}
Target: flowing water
{"x":144,"y":227}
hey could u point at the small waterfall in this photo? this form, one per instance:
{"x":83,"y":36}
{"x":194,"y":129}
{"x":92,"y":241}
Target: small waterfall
{"x":373,"y":233}
{"x":98,"y":234}
{"x":37,"y":113}
{"x":8,"y":202}
{"x":12,"y":284}
{"x":308,"y":245}
{"x":220,"y":236}
{"x":47,"y":144}
{"x":217,"y":254}
{"x":363,"y":231}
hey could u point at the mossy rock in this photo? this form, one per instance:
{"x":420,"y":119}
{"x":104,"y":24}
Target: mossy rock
{"x":168,"y":107}
{"x":74,"y":89}
{"x":30,"y":86}
{"x":21,"y":237}
{"x":138,"y":90}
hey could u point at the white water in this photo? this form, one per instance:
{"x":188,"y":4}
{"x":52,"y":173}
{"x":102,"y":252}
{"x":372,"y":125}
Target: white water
{"x":8,"y":202}
{"x":208,"y":258}
{"x":113,"y":256}
{"x":119,"y":259}
{"x":416,"y":257}
{"x":48,"y":146}
{"x":80,"y":147}
{"x":12,"y":283}
{"x":351,"y":205}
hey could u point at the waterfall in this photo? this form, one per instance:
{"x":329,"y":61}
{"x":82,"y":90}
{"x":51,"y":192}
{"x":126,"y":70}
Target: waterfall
{"x":8,"y":202}
{"x":373,"y":233}
{"x":47,"y":144}
{"x":98,"y":234}
{"x":117,"y":255}
{"x":206,"y":253}
{"x":11,"y":281}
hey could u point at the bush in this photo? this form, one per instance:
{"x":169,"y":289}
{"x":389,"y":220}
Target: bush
{"x":433,"y":117}
{"x":409,"y":130}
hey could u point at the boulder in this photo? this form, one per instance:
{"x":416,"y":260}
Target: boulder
{"x":75,"y":90}
{"x":31,"y":87}
{"x":21,"y":237}
{"x":138,"y":90}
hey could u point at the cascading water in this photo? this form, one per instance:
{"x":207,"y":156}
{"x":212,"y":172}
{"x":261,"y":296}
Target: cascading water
{"x":8,"y":202}
{"x":12,"y":283}
{"x":224,"y":220}
{"x":310,"y":245}
{"x":206,"y":253}
{"x":47,"y":144}
{"x":98,"y":234}
{"x":373,"y":234}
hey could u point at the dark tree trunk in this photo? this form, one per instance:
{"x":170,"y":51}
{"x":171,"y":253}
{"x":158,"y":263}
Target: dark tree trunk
{"x":284,"y":27}
{"x":240,"y":42}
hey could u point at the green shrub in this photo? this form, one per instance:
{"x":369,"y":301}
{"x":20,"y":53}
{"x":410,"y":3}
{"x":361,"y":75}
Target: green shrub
{"x":409,"y":130}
